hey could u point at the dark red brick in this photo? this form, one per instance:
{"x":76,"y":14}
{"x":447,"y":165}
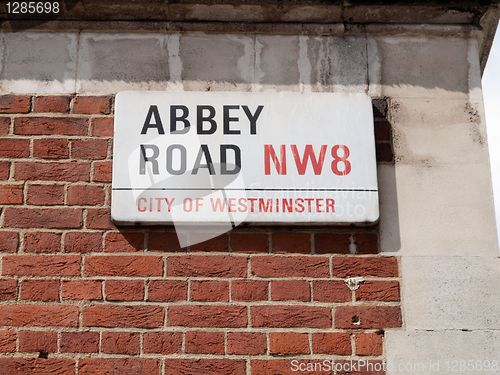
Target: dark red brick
{"x":15,"y":103}
{"x":91,"y":105}
{"x":51,"y":126}
{"x":51,"y":104}
{"x":205,"y":342}
{"x":42,"y":242}
{"x":45,"y":195}
{"x":120,"y":342}
{"x":209,"y":290}
{"x":162,"y":342}
{"x":250,"y":242}
{"x":79,"y":342}
{"x":291,"y":243}
{"x":366,"y":317}
{"x":39,"y":341}
{"x":51,"y":148}
{"x":41,"y":290}
{"x":167,"y":290}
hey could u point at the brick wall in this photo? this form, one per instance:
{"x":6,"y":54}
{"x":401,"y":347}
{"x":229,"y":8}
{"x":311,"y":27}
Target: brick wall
{"x":79,"y":295}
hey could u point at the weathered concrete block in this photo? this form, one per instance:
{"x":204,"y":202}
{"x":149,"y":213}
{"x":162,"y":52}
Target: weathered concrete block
{"x":277,"y":63}
{"x":38,"y":62}
{"x":424,"y":134}
{"x":437,"y":352}
{"x":436,"y":290}
{"x":109,"y":63}
{"x":424,"y":67}
{"x":437,"y":210}
{"x":349,"y":61}
{"x":217,"y":62}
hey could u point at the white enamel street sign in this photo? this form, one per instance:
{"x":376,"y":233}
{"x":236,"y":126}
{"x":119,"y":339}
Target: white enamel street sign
{"x":213,"y":157}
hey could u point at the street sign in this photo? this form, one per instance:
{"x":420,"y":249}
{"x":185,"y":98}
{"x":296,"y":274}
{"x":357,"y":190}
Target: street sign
{"x":218,"y":157}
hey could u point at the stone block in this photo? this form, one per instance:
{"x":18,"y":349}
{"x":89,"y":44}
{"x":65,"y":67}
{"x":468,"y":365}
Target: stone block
{"x":437,"y":210}
{"x":38,"y":62}
{"x":451,"y":293}
{"x":277,"y":63}
{"x":440,"y":352}
{"x":217,"y":62}
{"x":424,"y":67}
{"x":109,"y":63}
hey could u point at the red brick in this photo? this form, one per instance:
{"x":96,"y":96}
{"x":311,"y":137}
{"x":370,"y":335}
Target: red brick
{"x":102,"y":171}
{"x":8,"y":289}
{"x":11,"y":194}
{"x":124,"y":290}
{"x":284,"y":343}
{"x":382,"y":130}
{"x":356,"y":266}
{"x":38,"y":316}
{"x":42,"y":242}
{"x":209,"y":290}
{"x":123,"y":266}
{"x":378,"y":291}
{"x":326,"y":243}
{"x":160,"y":241}
{"x":136,"y":366}
{"x":338,"y":343}
{"x":41,"y":265}
{"x":102,"y":126}
{"x":4,"y":125}
{"x":250,"y":242}
{"x":51,"y":104}
{"x":367,"y":317}
{"x":38,"y":366}
{"x":291,"y":316}
{"x":297,"y":266}
{"x":91,"y":105}
{"x":123,"y":316}
{"x":208,"y":266}
{"x":99,"y":218}
{"x":124,"y":242}
{"x":285,"y":367}
{"x":51,"y":148}
{"x":384,"y":152}
{"x":249,"y":290}
{"x":41,"y":290}
{"x":55,"y":218}
{"x":167,"y":290}
{"x":45,"y":195}
{"x":7,"y":341}
{"x":89,"y":149}
{"x":51,"y":126}
{"x":85,"y":195}
{"x":14,"y":148}
{"x":291,"y":243}
{"x":367,"y":243}
{"x":39,"y":341}
{"x":219,"y":243}
{"x":8,"y":242}
{"x":205,"y":342}
{"x":162,"y":343}
{"x":246,"y":343}
{"x":290,"y":290}
{"x":369,"y":344}
{"x":82,"y":242}
{"x":81,"y":289}
{"x":15,"y":104}
{"x":205,"y":367}
{"x":331,"y":291}
{"x":70,"y":171}
{"x":79,"y":342}
{"x":207,"y":316}
{"x":120,"y":342}
{"x":4,"y":170}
